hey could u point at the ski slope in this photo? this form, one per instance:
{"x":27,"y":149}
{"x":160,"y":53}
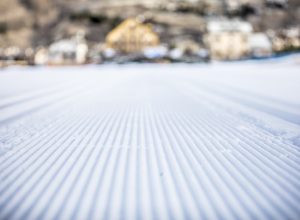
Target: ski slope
{"x":151,"y":142}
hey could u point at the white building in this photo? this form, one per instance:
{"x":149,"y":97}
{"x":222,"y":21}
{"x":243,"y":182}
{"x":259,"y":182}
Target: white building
{"x":228,"y":39}
{"x":68,"y":51}
{"x":41,"y":56}
{"x":260,"y":45}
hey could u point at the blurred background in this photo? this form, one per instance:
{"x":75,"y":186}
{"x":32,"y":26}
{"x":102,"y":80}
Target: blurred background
{"x":76,"y":32}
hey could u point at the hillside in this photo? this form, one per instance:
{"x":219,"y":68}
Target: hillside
{"x":26,"y":23}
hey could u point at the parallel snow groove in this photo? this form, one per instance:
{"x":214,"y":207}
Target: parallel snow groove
{"x":278,"y":109}
{"x":34,"y":169}
{"x":241,"y":166}
{"x":29,"y":96}
{"x":146,"y":146}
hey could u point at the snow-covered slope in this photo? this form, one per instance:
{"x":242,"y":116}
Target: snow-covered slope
{"x":150,"y":142}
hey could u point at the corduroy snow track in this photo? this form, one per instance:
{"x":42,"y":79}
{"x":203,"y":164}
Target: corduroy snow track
{"x":150,"y":142}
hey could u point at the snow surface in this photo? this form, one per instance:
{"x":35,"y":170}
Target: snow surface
{"x":151,"y":142}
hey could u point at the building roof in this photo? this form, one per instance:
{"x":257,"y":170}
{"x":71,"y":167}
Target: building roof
{"x":216,"y":26}
{"x":66,"y":45}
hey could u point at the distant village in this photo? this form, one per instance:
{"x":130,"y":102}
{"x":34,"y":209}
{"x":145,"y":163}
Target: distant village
{"x":140,"y":39}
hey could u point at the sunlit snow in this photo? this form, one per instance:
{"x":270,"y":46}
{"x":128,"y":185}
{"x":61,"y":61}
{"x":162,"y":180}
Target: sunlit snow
{"x":218,"y":141}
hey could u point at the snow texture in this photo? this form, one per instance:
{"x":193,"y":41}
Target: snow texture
{"x":151,"y":142}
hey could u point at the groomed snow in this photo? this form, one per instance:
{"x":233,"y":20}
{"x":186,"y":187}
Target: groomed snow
{"x":217,"y":141}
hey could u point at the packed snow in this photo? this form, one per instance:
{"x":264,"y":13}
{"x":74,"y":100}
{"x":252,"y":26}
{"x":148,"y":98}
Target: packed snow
{"x":218,"y":141}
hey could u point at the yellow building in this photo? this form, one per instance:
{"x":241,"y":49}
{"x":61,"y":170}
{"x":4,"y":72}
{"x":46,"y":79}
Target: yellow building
{"x":132,"y":36}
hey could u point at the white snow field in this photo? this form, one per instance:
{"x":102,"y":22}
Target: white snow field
{"x":209,"y":142}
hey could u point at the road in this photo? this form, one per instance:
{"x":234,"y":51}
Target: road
{"x":150,"y":142}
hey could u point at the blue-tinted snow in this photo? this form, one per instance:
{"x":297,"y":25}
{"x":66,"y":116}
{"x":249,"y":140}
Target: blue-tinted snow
{"x":217,"y":141}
